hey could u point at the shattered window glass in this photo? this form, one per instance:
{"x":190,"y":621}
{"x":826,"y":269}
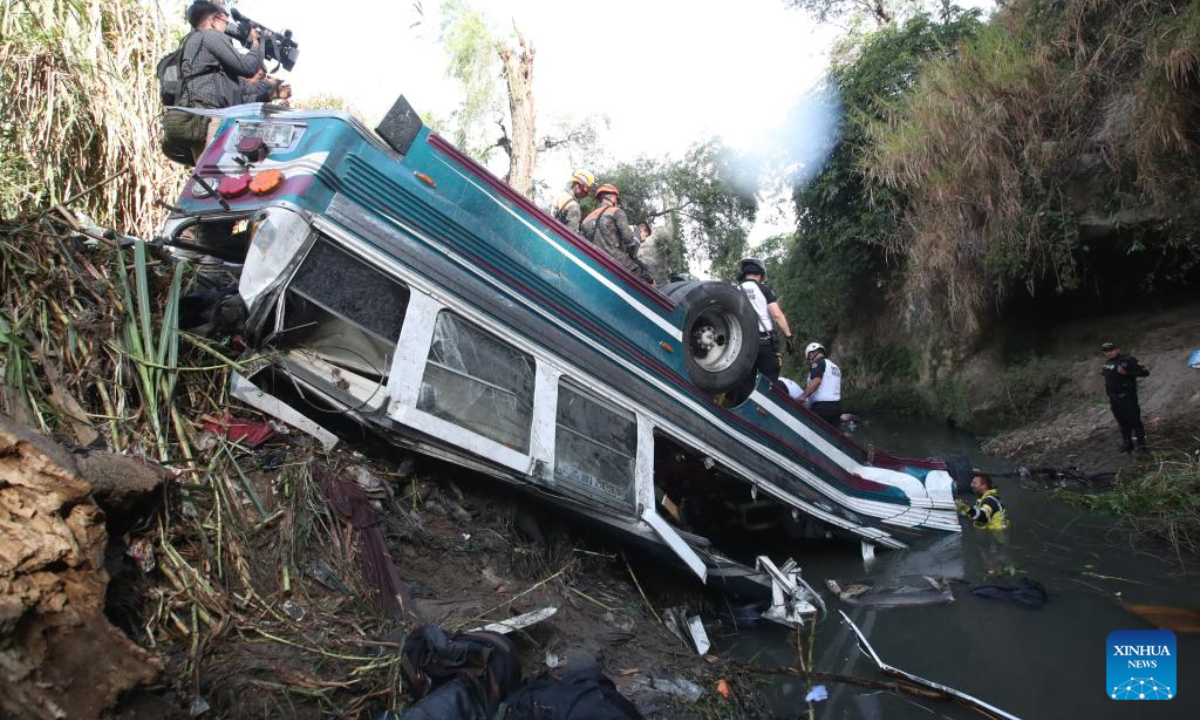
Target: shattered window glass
{"x":595,"y":447}
{"x":474,"y":380}
{"x":348,"y":287}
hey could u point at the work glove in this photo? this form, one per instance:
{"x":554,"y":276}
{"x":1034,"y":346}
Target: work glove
{"x":963,"y":508}
{"x":790,"y":342}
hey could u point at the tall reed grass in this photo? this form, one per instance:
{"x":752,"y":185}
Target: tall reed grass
{"x":1056,"y":110}
{"x":79,"y":104}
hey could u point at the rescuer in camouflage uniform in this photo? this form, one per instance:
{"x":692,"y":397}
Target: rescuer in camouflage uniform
{"x":566,"y":208}
{"x":608,"y":228}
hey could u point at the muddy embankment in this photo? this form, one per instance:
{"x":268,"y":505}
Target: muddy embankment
{"x":1032,"y":386}
{"x":283,"y":580}
{"x":1068,"y":421}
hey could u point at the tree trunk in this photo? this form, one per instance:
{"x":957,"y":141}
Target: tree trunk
{"x":60,"y":656}
{"x":518,"y":73}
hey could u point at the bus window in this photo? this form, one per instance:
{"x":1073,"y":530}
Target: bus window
{"x":478,"y":382}
{"x":595,"y":446}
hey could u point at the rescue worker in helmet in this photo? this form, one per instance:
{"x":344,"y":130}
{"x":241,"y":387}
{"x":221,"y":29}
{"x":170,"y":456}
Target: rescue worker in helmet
{"x":823,"y":393}
{"x":566,"y":207}
{"x":988,"y":512}
{"x":608,"y":228}
{"x":752,"y":276}
{"x":1120,"y":383}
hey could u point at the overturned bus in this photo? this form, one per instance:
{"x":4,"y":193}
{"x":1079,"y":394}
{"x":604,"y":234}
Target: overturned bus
{"x":389,"y":278}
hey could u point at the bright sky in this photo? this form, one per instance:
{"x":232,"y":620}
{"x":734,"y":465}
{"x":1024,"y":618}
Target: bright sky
{"x":666,"y":73}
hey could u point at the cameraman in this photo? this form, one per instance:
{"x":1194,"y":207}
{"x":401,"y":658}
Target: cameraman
{"x":210,"y":66}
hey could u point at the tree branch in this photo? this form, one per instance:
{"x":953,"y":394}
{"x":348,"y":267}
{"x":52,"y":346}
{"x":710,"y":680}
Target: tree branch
{"x":504,"y":142}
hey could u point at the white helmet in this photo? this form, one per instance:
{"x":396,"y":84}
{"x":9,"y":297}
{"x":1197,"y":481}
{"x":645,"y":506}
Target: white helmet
{"x":813,"y":347}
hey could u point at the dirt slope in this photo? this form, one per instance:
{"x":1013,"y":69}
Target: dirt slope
{"x":1076,"y":427}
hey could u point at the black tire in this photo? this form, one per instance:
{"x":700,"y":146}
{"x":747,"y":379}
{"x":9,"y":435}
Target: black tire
{"x":720,"y":334}
{"x":960,"y":470}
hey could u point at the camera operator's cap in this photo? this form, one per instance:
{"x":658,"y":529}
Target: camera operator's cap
{"x":1108,"y":347}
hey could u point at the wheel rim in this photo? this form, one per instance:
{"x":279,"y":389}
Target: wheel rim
{"x":716,"y":339}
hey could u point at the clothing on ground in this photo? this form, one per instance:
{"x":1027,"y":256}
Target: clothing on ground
{"x":211,"y":67}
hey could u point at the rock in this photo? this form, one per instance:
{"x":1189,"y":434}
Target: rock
{"x":59,"y":655}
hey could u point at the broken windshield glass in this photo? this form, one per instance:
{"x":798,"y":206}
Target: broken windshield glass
{"x":478,"y":382}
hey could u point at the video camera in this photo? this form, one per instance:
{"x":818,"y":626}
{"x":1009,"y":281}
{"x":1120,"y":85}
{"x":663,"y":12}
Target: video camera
{"x":279,"y":47}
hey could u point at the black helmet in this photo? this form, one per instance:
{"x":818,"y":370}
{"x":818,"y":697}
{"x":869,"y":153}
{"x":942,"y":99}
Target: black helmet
{"x":751,"y":266}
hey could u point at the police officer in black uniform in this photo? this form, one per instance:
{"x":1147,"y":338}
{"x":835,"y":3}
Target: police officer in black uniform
{"x":1120,"y":382}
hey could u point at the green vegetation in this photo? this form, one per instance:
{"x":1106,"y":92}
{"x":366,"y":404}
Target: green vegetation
{"x":78,"y":87}
{"x":1161,"y":498}
{"x":1040,"y":165}
{"x":706,"y":199}
{"x":1055,"y":141}
{"x":839,"y":259}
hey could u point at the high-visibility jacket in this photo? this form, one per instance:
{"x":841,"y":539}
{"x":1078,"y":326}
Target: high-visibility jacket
{"x":988,"y":512}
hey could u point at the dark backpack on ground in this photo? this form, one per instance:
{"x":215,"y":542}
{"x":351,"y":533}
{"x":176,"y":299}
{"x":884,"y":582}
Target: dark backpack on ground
{"x":483,"y":667}
{"x":581,"y":695}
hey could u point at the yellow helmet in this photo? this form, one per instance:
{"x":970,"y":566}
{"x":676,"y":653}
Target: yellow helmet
{"x":584,"y":178}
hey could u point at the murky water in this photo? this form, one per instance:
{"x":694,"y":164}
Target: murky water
{"x":1047,"y":663}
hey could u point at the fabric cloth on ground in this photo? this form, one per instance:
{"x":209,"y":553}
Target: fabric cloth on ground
{"x":353,"y":503}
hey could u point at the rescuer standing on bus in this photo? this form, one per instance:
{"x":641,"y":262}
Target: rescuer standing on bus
{"x":566,"y":204}
{"x":752,"y":277}
{"x":824,"y":389}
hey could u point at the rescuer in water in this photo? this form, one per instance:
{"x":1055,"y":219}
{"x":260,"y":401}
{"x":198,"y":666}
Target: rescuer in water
{"x":988,"y":512}
{"x":1120,"y":382}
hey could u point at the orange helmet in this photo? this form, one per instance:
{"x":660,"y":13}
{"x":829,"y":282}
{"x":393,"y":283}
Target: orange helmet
{"x":584,"y":178}
{"x":610,"y":190}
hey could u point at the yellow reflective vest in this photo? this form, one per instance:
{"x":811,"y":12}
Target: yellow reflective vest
{"x":988,"y":512}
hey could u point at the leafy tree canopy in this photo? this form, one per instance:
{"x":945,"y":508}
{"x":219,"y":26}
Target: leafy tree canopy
{"x":705,"y":202}
{"x":842,"y":221}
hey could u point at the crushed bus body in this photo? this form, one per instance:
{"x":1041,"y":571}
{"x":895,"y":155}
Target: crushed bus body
{"x":399,"y":283}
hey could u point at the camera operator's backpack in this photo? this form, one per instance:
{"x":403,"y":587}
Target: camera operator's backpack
{"x":181,"y":131}
{"x":170,"y":75}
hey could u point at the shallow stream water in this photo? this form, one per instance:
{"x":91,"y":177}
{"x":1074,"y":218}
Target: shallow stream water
{"x":1047,"y":663}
